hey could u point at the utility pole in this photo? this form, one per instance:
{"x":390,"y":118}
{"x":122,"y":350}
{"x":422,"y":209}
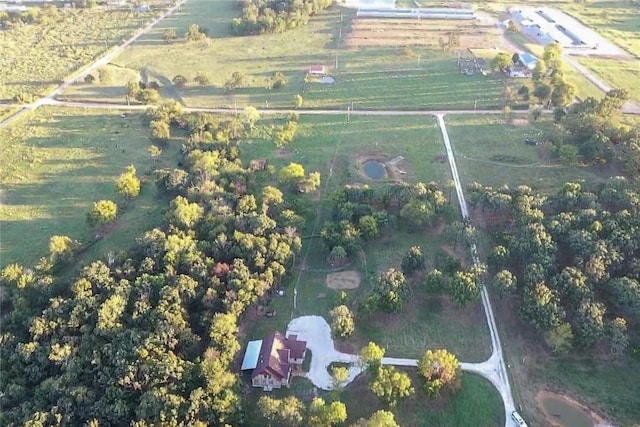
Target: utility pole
{"x":475,"y":104}
{"x":336,"y":62}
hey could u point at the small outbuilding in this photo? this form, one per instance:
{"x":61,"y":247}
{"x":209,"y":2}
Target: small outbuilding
{"x":317,"y":71}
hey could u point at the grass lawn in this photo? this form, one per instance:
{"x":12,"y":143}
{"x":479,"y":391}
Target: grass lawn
{"x":35,"y":58}
{"x":59,"y":162}
{"x":367,"y":77}
{"x":592,"y":379}
{"x":619,"y":74}
{"x":492,"y":152}
{"x":477,"y":403}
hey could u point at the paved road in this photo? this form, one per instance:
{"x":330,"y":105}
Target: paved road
{"x":494,"y":369}
{"x":105,"y":59}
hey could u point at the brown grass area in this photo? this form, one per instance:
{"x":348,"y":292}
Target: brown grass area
{"x":343,"y":280}
{"x":405,"y":32}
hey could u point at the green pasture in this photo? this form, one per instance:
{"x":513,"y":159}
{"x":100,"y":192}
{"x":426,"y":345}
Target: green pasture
{"x":493,"y":152}
{"x":619,"y":74}
{"x":60,"y":161}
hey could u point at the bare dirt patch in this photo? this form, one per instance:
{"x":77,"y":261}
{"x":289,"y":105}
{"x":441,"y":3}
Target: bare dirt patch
{"x":520,"y":122}
{"x":343,"y":280}
{"x":551,"y":419}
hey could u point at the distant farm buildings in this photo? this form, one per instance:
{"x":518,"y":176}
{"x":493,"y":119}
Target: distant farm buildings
{"x":548,"y":25}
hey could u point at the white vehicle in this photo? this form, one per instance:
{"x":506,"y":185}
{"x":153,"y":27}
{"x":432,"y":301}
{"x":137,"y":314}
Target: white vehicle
{"x":515,"y":416}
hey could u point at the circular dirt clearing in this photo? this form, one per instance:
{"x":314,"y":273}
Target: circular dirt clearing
{"x":343,"y":280}
{"x":562,"y":411}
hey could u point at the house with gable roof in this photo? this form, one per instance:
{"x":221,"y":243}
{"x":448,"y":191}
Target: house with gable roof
{"x":273,"y":359}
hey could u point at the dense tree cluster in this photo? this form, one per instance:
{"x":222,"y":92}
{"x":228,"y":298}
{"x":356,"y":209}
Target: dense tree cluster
{"x":291,"y":412}
{"x":275,"y":16}
{"x":594,"y":128}
{"x":361,"y":212}
{"x":572,"y":258}
{"x":146,"y":337}
{"x":551,"y":86}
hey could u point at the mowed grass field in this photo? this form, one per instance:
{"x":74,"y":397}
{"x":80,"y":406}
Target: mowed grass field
{"x":57,"y":163}
{"x":373,"y":77}
{"x":493,"y":152}
{"x":36,"y":58}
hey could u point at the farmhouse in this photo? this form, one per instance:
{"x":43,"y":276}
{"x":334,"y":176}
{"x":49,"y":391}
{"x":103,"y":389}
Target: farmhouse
{"x":273,"y":359}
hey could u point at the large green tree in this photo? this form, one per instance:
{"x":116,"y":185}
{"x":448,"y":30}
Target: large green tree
{"x":102,"y":212}
{"x":342,"y":322}
{"x":128,"y":184}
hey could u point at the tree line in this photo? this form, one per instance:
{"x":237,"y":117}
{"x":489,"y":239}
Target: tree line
{"x":146,"y":336}
{"x":275,"y":16}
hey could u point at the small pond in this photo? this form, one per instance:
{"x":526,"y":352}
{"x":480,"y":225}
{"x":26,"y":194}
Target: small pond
{"x":374,"y":169}
{"x":565,"y":413}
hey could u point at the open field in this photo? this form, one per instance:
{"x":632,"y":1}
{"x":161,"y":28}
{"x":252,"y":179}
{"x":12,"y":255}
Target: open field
{"x":492,"y":152}
{"x":59,"y":162}
{"x":477,"y":403}
{"x":35,"y":58}
{"x":384,"y":76}
{"x":619,"y":74}
{"x":595,"y":381}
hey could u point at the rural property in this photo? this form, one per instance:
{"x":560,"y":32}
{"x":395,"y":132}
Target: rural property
{"x":319,"y":213}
